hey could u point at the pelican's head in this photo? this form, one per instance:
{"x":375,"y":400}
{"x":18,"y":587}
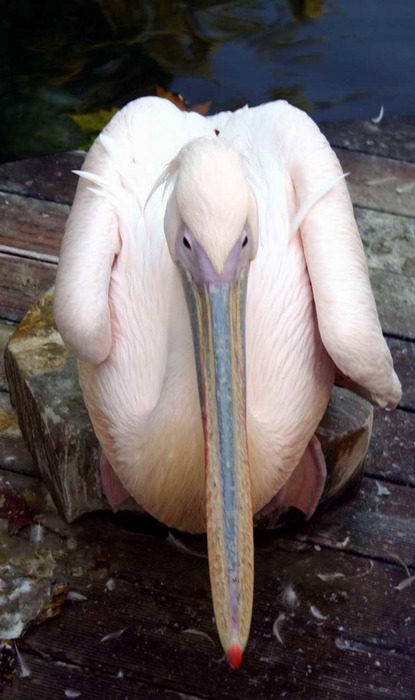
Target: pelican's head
{"x":212,"y":234}
{"x":211,"y":217}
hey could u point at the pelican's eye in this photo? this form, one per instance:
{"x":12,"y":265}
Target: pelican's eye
{"x":245,"y":242}
{"x":186,"y":243}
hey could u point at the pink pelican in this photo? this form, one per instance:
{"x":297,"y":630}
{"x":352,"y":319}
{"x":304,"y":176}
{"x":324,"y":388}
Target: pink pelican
{"x":212,"y":280}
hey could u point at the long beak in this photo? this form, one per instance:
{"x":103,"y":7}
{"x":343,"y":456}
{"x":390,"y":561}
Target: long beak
{"x":217,"y":313}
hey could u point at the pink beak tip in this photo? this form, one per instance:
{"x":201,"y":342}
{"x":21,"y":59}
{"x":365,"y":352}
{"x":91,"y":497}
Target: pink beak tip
{"x":234,"y":655}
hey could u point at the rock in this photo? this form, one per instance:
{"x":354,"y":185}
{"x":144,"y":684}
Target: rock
{"x":45,"y":392}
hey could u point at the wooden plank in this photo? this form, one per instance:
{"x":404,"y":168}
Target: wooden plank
{"x":31,"y":224}
{"x":395,"y":300}
{"x":403,"y":353}
{"x":389,"y":240}
{"x":380,"y":183}
{"x":394,"y":137}
{"x":362,"y":648}
{"x":373,"y":524}
{"x":46,"y":177}
{"x":21,"y":282}
{"x":50,"y":679}
{"x":391,"y":453}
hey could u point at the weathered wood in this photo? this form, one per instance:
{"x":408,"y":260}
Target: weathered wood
{"x":375,"y":524}
{"x":392,"y":138}
{"x":395,"y":300}
{"x":164,"y":606}
{"x":46,"y":177}
{"x":50,"y":679}
{"x":392,"y":448}
{"x":380,"y":183}
{"x":389,"y":240}
{"x":31,"y":225}
{"x":403,"y":353}
{"x":21,"y":282}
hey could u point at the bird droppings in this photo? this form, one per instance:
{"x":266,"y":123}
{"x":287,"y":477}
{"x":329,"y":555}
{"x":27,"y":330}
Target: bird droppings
{"x":120,"y":674}
{"x":405,"y":583}
{"x":330,"y":577}
{"x":74,"y":595}
{"x":382,"y":490}
{"x":24,"y":670}
{"x":276,"y":627}
{"x":316,"y":613}
{"x":199,"y":633}
{"x":113,"y":635}
{"x":344,"y":543}
{"x":69,"y":693}
{"x":289,"y":597}
{"x":110,"y":585}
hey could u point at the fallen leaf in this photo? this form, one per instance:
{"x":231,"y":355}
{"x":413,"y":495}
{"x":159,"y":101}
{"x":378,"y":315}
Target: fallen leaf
{"x":54,"y":607}
{"x":178,"y":100}
{"x":174,"y":97}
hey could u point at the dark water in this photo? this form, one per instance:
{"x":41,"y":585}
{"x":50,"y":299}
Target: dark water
{"x":61,"y":60}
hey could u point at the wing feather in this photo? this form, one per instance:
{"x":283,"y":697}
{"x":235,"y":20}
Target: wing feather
{"x":346,"y":310}
{"x":122,"y":165}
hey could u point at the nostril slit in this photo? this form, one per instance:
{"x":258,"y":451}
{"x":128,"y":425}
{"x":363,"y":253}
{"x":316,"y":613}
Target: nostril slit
{"x":186,"y":243}
{"x":245,"y":241}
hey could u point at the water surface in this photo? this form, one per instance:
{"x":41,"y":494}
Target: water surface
{"x":61,"y":61}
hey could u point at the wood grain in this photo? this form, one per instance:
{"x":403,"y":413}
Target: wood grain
{"x":403,"y":354}
{"x":394,"y":137}
{"x":395,"y":300}
{"x":46,"y":177}
{"x":391,"y":453}
{"x":389,"y":240}
{"x":32,"y":225}
{"x":380,"y":183}
{"x":21,"y":282}
{"x":50,"y":679}
{"x":161,"y":599}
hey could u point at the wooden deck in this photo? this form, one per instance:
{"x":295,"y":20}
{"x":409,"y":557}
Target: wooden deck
{"x":352,"y":634}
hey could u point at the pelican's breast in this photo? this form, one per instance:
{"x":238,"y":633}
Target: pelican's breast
{"x":289,"y":373}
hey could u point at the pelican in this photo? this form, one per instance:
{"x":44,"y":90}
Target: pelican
{"x":211,"y":283}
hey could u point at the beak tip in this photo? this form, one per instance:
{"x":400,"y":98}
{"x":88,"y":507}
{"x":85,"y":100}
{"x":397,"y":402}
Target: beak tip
{"x":234,"y":655}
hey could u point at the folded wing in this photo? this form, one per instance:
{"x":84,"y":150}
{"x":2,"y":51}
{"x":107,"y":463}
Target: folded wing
{"x":346,"y":310}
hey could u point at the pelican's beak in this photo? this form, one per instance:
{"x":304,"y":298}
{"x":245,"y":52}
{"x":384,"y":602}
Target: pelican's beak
{"x":217,"y":313}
